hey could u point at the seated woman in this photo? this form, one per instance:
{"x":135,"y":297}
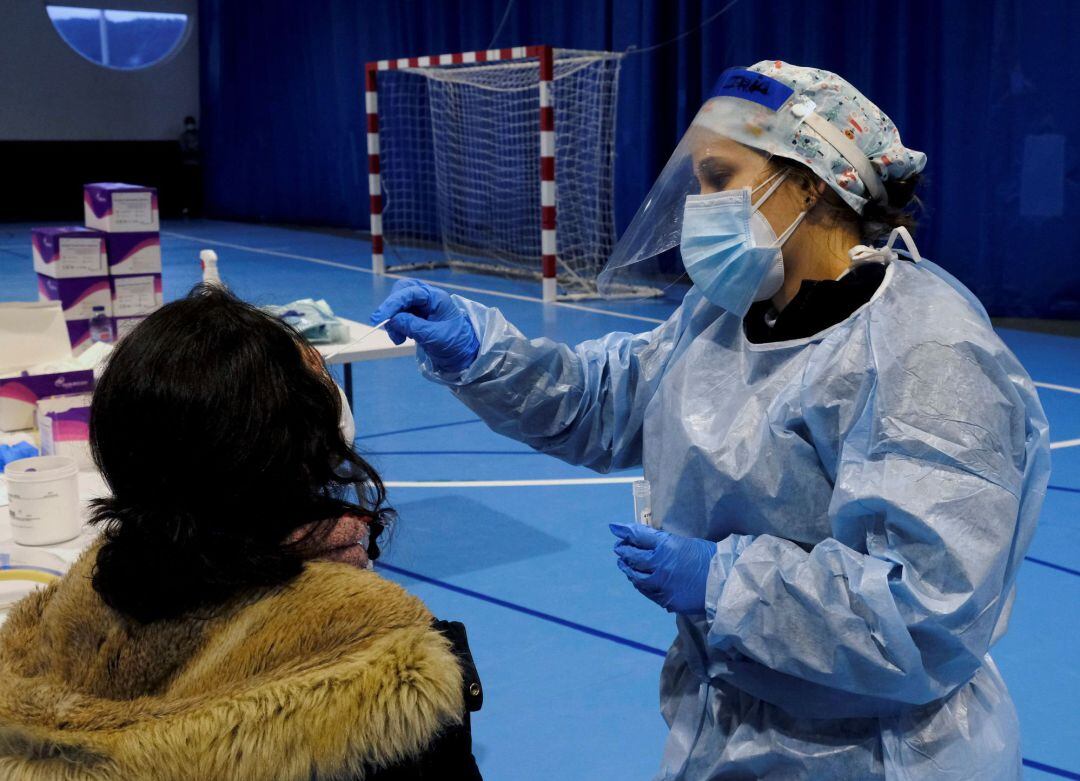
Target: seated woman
{"x":227,"y":624}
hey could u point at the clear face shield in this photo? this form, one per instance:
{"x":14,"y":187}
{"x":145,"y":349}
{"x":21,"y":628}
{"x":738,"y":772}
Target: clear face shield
{"x":704,"y":215}
{"x":646,"y":260}
{"x":708,"y":214}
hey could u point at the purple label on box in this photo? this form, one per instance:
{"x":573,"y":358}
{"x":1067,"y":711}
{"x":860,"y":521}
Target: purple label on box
{"x":48,"y":288}
{"x":78,"y":334}
{"x":47,"y":240}
{"x":122,"y":246}
{"x":40,"y":386}
{"x":71,"y":292}
{"x":98,"y":196}
{"x":72,"y":425}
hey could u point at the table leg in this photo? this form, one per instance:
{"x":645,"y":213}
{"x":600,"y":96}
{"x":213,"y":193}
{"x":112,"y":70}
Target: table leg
{"x":348,"y":383}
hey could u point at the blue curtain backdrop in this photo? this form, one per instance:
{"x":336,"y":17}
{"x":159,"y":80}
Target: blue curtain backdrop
{"x":987,"y":88}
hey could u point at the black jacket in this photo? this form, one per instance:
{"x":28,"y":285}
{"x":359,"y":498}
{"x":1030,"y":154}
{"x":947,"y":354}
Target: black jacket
{"x":450,"y":757}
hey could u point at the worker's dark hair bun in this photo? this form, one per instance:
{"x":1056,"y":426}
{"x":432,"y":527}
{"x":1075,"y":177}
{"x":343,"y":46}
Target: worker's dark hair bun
{"x":877,"y":219}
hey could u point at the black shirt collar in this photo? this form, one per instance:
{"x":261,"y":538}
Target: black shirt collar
{"x":818,"y":305}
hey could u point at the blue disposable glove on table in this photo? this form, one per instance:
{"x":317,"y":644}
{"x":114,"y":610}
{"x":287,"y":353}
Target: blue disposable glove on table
{"x":9,"y":453}
{"x":429,"y":316}
{"x":671,"y":570}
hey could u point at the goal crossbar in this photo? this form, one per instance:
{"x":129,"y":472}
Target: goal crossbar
{"x":537,"y":57}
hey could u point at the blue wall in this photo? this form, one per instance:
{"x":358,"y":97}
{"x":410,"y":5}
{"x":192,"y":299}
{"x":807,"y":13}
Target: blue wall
{"x":987,"y":88}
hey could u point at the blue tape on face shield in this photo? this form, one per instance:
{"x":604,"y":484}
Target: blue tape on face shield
{"x":730,"y":250}
{"x":750,"y":85}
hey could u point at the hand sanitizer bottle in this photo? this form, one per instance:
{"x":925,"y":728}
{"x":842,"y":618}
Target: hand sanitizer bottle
{"x":208,"y":258}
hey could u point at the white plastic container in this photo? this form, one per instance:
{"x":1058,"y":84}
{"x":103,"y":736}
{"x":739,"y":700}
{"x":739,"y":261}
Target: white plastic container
{"x":43,"y":497}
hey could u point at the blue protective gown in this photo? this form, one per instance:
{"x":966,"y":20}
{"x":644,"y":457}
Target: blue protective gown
{"x":872,"y":491}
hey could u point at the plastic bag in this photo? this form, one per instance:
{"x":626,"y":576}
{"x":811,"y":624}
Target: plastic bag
{"x":315,"y":320}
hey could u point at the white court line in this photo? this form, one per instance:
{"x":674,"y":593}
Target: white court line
{"x":439,"y":283}
{"x":1051,"y":386}
{"x":509,"y":483}
{"x":514,"y":296}
{"x":1064,"y":443}
{"x":476,"y":483}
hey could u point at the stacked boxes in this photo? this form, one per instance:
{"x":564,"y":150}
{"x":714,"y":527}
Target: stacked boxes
{"x":72,"y":268}
{"x":128,"y":215}
{"x":107,"y":275}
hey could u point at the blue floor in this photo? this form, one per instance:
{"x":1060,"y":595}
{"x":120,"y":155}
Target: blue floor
{"x":570,"y":655}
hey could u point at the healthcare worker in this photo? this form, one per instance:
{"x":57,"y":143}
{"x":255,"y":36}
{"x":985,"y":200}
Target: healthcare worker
{"x":846,"y":461}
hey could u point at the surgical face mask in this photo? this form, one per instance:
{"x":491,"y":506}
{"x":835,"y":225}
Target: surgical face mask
{"x":346,"y":425}
{"x":729,"y":249}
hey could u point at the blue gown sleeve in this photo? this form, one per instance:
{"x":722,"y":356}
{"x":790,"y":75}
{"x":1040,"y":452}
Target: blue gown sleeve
{"x":939,"y":458}
{"x":583,"y":404}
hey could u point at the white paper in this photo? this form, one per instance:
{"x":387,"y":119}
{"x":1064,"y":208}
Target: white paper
{"x":132,"y":211}
{"x":82,"y":256}
{"x":126,"y":325}
{"x":133,"y":296}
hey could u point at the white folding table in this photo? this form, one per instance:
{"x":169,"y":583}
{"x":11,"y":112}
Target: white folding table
{"x":363,"y":345}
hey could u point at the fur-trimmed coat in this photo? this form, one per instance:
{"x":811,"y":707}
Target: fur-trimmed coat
{"x":338,"y":675}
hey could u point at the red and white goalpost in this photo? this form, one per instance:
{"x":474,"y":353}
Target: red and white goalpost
{"x":471,"y":155}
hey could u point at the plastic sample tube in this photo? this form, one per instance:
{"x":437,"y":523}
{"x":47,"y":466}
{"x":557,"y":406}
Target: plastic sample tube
{"x":642,"y":502}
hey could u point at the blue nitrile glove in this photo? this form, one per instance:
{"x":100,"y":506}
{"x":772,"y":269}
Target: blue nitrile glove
{"x":427,"y":314}
{"x":9,"y":453}
{"x":670,"y":570}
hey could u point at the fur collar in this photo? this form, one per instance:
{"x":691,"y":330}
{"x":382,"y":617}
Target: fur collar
{"x":336,"y":671}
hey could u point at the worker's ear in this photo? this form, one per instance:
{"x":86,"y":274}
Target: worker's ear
{"x":813,"y":193}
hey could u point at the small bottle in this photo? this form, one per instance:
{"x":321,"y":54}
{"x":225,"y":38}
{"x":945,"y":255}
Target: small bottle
{"x":101,"y":329}
{"x":208,"y":259}
{"x":642,"y":502}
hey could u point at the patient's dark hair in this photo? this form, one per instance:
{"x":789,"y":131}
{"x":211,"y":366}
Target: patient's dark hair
{"x":216,"y":429}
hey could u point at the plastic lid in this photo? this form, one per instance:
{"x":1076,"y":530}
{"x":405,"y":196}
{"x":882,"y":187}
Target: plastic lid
{"x":22,"y":570}
{"x":40,"y":469}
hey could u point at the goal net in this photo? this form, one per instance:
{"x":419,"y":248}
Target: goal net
{"x":498,"y":161}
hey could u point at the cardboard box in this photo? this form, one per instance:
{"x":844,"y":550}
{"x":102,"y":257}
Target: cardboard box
{"x":69,"y":252}
{"x":34,"y":334}
{"x":134,"y":253}
{"x":122,"y":326}
{"x":136,"y":296}
{"x":19,"y":396}
{"x":83,"y":333}
{"x":64,"y":427}
{"x":78,"y":296}
{"x":115,"y":207}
